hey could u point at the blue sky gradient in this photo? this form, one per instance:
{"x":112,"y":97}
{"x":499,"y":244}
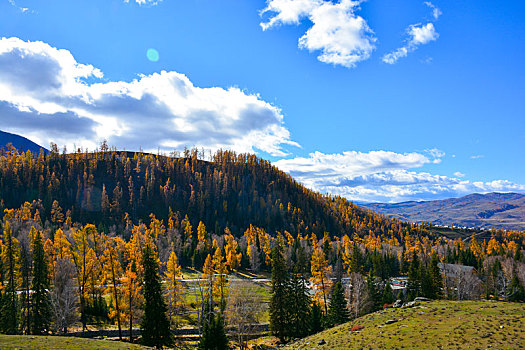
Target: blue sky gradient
{"x":462,"y":93}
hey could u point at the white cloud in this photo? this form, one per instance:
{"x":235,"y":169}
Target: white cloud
{"x":436,"y":12}
{"x":459,"y":174}
{"x":477,"y":156}
{"x":46,"y":94}
{"x":382,"y":176}
{"x":419,"y":34}
{"x":22,"y":9}
{"x":144,"y":2}
{"x":343,"y":37}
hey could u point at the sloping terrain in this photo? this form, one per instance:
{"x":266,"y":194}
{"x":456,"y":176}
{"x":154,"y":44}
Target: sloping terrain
{"x":26,"y":342}
{"x":430,"y":325}
{"x":19,"y":142}
{"x":492,"y":210}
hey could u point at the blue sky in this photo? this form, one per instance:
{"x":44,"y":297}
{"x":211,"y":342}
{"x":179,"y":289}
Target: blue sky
{"x":377,"y":101}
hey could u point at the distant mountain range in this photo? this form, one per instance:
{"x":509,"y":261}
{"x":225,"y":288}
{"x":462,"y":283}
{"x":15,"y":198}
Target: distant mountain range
{"x":492,"y":210}
{"x":19,"y":142}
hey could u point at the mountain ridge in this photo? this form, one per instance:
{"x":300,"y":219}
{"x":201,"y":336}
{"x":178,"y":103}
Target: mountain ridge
{"x":19,"y":142}
{"x":490,"y":210}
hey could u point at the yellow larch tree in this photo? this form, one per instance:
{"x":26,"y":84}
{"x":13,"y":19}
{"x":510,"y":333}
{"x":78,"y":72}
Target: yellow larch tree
{"x":220,"y":268}
{"x":174,"y":291}
{"x":111,"y":276}
{"x":201,"y":237}
{"x":132,"y":298}
{"x":320,"y":276}
{"x":233,"y":259}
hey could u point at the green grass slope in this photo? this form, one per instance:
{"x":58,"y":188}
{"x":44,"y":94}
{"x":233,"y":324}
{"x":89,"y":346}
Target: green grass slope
{"x":26,"y":342}
{"x":430,"y":325}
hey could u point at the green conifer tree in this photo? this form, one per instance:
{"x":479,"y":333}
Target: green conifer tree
{"x":155,"y":324}
{"x":299,"y":306}
{"x":279,"y":317}
{"x":414,"y":281}
{"x":338,"y":312}
{"x":316,"y":319}
{"x":388,"y":294}
{"x":40,"y":302}
{"x":515,"y":291}
{"x":436,"y":277}
{"x":213,"y":333}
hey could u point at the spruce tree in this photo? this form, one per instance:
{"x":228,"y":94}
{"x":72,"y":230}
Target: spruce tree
{"x":427,"y":287}
{"x":515,"y":291}
{"x":316,"y":319}
{"x":338,"y":312}
{"x":388,"y":294}
{"x":40,"y":302}
{"x":373,"y":293}
{"x":299,"y":307}
{"x":155,"y":324}
{"x":279,"y":317}
{"x":436,"y":277}
{"x":414,"y":281}
{"x":213,"y":333}
{"x":356,"y":260}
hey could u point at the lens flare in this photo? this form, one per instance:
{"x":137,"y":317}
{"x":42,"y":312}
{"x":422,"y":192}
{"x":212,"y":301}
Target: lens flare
{"x":153,"y":55}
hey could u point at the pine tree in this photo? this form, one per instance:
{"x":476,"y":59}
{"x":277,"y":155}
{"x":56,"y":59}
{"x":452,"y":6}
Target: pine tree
{"x":338,"y":312}
{"x":40,"y":301}
{"x":279,"y":317}
{"x":155,"y":324}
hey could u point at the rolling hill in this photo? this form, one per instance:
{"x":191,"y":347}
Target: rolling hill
{"x":431,"y":325}
{"x":19,"y":142}
{"x":492,"y":210}
{"x":227,"y":190}
{"x":26,"y":342}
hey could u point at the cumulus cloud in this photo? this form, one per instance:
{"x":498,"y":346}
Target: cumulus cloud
{"x":46,"y":94}
{"x":459,"y":174}
{"x":382,"y":176}
{"x":343,"y":37}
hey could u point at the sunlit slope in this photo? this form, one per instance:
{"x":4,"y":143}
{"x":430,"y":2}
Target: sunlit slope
{"x":25,"y":342}
{"x":431,"y":325}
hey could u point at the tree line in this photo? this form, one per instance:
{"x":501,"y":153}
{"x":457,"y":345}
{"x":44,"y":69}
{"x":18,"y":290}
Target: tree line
{"x":57,"y":274}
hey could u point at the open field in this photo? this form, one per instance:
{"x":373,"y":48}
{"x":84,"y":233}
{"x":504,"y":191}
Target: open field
{"x":26,"y":342}
{"x":431,"y":325}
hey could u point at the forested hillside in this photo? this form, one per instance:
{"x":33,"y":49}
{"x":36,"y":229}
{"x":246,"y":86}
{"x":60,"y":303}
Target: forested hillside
{"x":230,"y":190}
{"x":99,"y":238}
